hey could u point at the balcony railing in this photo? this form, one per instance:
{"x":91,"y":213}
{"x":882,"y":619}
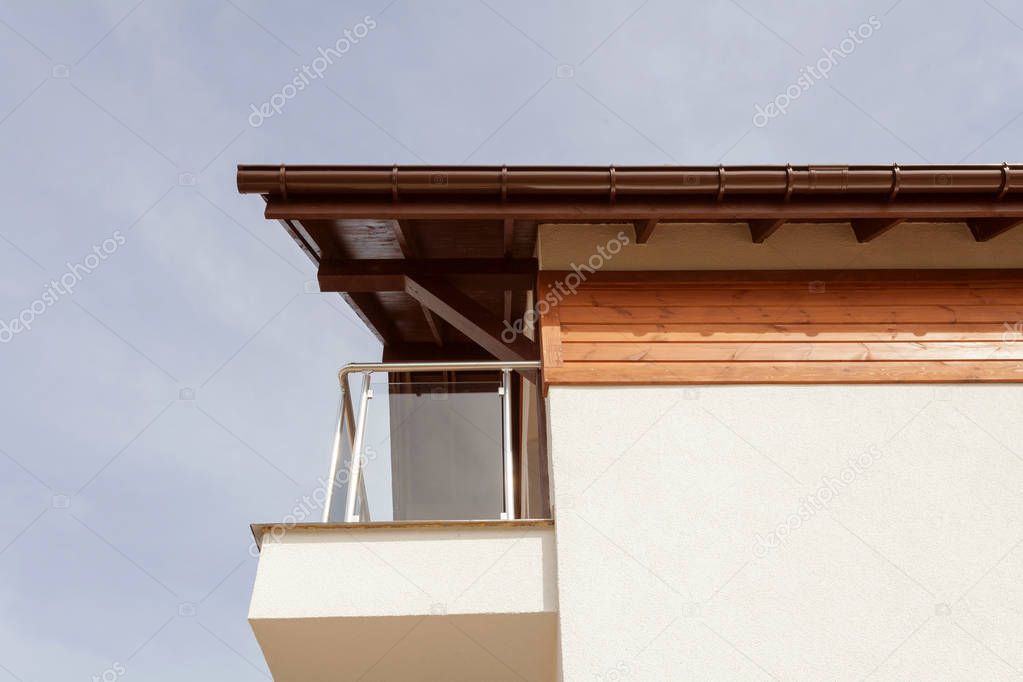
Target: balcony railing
{"x":456,"y":440}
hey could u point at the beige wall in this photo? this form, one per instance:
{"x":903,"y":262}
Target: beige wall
{"x":454,"y":648}
{"x":353,"y":572}
{"x":797,"y":246}
{"x":906,"y":564}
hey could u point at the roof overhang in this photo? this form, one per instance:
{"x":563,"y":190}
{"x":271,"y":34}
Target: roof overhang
{"x":442,"y":256}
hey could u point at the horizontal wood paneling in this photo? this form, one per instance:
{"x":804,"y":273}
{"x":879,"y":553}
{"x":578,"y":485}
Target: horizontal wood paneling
{"x":781,"y":332}
{"x":785,"y":327}
{"x":831,"y":351}
{"x":604,"y":297}
{"x":784,"y":373}
{"x":879,"y":314}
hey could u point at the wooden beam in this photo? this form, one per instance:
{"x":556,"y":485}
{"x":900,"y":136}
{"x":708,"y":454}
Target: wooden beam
{"x":405,"y":235}
{"x":436,"y":331}
{"x":984,"y":229}
{"x":469,"y":317}
{"x":871,"y":228}
{"x":514,"y":274}
{"x":406,"y":238}
{"x":507,"y":308}
{"x":760,"y":230}
{"x":644,"y":228}
{"x":509,"y":236}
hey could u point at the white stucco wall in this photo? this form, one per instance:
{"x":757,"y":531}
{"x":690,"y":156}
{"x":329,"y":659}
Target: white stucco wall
{"x":417,"y":571}
{"x":907,"y":565}
{"x":454,"y":602}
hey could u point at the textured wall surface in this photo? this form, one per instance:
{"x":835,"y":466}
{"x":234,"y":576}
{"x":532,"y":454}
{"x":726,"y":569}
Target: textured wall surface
{"x":404,"y":572}
{"x":789,"y":532}
{"x":380,"y":604}
{"x":710,"y":246}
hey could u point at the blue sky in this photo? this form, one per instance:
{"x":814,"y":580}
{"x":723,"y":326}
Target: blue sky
{"x":184,"y":385}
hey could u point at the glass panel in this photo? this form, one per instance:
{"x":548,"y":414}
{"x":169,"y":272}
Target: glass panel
{"x":433,"y":447}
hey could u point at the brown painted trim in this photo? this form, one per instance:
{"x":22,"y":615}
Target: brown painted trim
{"x":514,"y":274}
{"x":619,"y":183}
{"x":811,"y":209}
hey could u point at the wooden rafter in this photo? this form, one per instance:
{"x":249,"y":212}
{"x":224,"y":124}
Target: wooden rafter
{"x":644,"y":229}
{"x":868,"y":229}
{"x":405,"y":235}
{"x":469,"y":317}
{"x":508,"y":235}
{"x":984,"y":229}
{"x":760,"y":230}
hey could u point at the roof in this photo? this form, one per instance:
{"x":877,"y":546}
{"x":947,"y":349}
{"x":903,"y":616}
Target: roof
{"x":373,"y":229}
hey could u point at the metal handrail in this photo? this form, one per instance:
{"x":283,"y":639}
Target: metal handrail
{"x":356,"y":492}
{"x":434,"y":367}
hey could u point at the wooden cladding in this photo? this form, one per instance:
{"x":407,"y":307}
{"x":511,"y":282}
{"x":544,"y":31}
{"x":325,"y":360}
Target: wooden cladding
{"x":783,"y":327}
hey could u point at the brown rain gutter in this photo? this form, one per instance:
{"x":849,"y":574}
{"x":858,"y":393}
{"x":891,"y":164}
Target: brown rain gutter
{"x":611,"y":184}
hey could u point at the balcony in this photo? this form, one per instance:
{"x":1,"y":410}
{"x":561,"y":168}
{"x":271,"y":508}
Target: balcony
{"x":434,"y":557}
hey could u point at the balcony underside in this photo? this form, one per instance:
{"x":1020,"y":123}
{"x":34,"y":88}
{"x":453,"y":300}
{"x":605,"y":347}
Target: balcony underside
{"x":493,"y":647}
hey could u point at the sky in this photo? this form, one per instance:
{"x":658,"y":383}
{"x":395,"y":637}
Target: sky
{"x":168,"y":368}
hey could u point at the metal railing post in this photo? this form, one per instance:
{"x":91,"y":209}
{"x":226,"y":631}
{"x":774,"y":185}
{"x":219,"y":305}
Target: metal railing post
{"x":506,"y":428}
{"x":354,"y":480}
{"x":335,"y":456}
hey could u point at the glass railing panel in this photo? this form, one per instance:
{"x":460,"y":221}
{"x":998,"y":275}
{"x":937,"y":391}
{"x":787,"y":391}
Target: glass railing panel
{"x":433,"y":448}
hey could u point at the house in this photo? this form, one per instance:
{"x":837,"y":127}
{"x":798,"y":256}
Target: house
{"x":660,"y":423}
